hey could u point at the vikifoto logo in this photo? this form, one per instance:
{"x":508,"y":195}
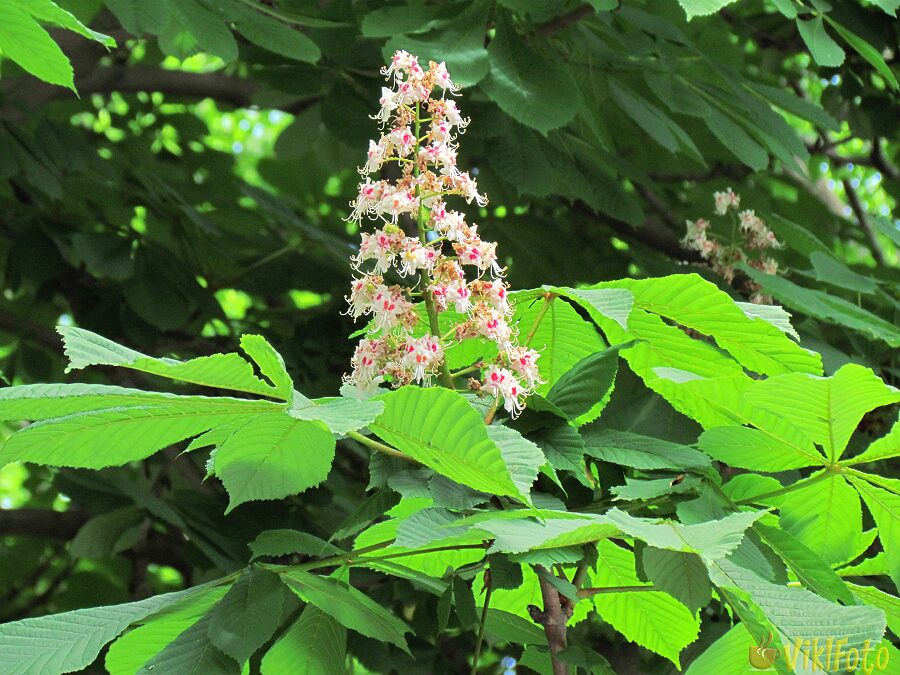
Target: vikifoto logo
{"x":821,"y":655}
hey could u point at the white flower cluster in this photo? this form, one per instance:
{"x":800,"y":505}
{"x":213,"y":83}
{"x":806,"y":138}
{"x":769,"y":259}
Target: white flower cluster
{"x":419,"y":134}
{"x":753,"y":233}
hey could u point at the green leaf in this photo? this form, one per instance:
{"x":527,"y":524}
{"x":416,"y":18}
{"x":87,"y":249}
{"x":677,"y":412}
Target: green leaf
{"x":131,"y":651}
{"x":272,"y":34}
{"x":796,"y":614}
{"x":736,"y":140}
{"x":62,"y":643}
{"x":728,"y":654}
{"x":32,"y":48}
{"x":440,"y":429}
{"x":350,"y":607}
{"x":874,"y":597}
{"x":522,"y":457}
{"x":875,"y":566}
{"x":584,"y":657}
{"x":248,"y":614}
{"x":641,"y":452}
{"x":702,"y":7}
{"x":710,"y":540}
{"x":284,"y":542}
{"x":654,"y":620}
{"x":696,"y":303}
{"x":537,"y":91}
{"x":459,"y":43}
{"x":608,"y":303}
{"x":774,"y":314}
{"x":464,"y":602}
{"x":192,"y":652}
{"x":660,"y":127}
{"x":341,"y":415}
{"x":867,"y":51}
{"x":564,"y":449}
{"x":825,"y":409}
{"x":784,"y":99}
{"x":315,"y":644}
{"x":810,"y":569}
{"x":50,"y":12}
{"x":886,"y":447}
{"x":270,"y":364}
{"x":825,"y":307}
{"x":555,"y":329}
{"x":826,"y":516}
{"x":681,"y":575}
{"x":582,"y":392}
{"x":114,"y":436}
{"x":108,"y":534}
{"x":830,"y":270}
{"x":273,"y":456}
{"x":386,"y":22}
{"x":757,"y":450}
{"x":222,"y":371}
{"x":513,"y":629}
{"x":208,"y":30}
{"x":516,"y":535}
{"x":823,"y":48}
{"x":138,"y":17}
{"x":885,"y":509}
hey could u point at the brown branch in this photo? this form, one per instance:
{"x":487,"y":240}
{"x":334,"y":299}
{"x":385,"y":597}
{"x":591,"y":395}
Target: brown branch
{"x":565,"y":20}
{"x":863,"y":220}
{"x":553,"y":619}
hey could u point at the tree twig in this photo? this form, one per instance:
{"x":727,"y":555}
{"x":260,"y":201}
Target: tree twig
{"x":553,"y":619}
{"x":860,"y":212}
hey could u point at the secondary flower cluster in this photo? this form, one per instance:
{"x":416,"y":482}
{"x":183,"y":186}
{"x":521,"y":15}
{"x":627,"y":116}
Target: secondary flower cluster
{"x":722,"y":258}
{"x":446,"y":263}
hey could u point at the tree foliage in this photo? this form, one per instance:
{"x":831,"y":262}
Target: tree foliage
{"x":706,"y":468}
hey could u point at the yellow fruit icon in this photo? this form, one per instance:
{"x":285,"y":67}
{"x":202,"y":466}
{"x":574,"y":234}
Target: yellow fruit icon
{"x":762,"y":658}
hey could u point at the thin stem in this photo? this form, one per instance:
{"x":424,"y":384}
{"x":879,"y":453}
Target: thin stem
{"x":488,"y":588}
{"x":436,"y":549}
{"x":466,"y":371}
{"x":548,"y":300}
{"x":489,"y":415}
{"x":376,"y":445}
{"x":340,"y":558}
{"x":588,"y":592}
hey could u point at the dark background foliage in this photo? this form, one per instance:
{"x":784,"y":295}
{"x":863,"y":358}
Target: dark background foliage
{"x":195,"y":190}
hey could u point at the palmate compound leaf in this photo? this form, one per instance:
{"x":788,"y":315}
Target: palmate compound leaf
{"x":654,"y":620}
{"x":315,"y":644}
{"x":799,"y":615}
{"x":222,"y":371}
{"x":350,"y":607}
{"x":710,"y":540}
{"x":826,"y":409}
{"x":67,"y":642}
{"x":113,"y":436}
{"x":271,"y":456}
{"x":439,"y":428}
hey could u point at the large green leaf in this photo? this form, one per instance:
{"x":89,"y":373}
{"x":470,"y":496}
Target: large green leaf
{"x":829,"y":308}
{"x":537,"y":91}
{"x":885,"y":509}
{"x":555,"y":329}
{"x":654,"y":620}
{"x":62,"y":643}
{"x":341,"y":415}
{"x":24,"y":41}
{"x":810,"y":569}
{"x":207,"y":31}
{"x":351,"y":608}
{"x":826,"y":516}
{"x":796,"y":614}
{"x":641,"y":452}
{"x":522,"y":457}
{"x":50,"y":12}
{"x":583,"y":392}
{"x":272,"y":34}
{"x":441,"y":430}
{"x":192,"y":652}
{"x":272,"y":456}
{"x":710,"y":540}
{"x":609,"y":303}
{"x":698,"y":304}
{"x":270,"y":364}
{"x":826,"y":409}
{"x":248,"y":614}
{"x":223,"y":371}
{"x":822,"y":46}
{"x":681,"y":575}
{"x":728,"y":654}
{"x":284,"y":542}
{"x":885,"y":447}
{"x":747,"y":448}
{"x":114,"y":436}
{"x":315,"y":644}
{"x":131,"y":651}
{"x":874,"y":597}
